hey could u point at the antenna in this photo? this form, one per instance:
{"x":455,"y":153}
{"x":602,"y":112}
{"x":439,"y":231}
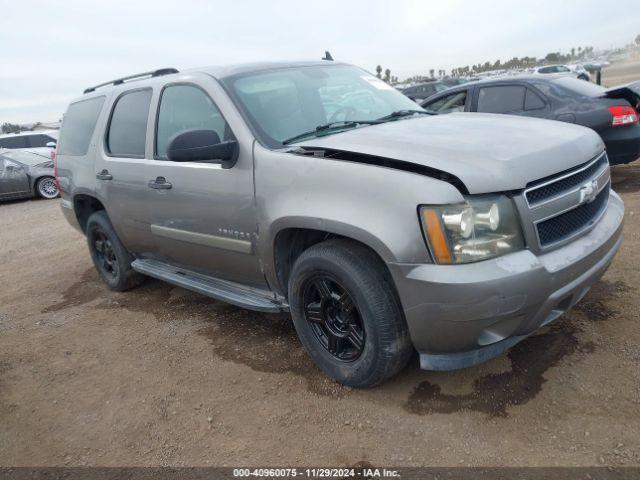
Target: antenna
{"x":327,"y":56}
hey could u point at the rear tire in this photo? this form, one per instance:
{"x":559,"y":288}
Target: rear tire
{"x":110,"y":257}
{"x":46,"y":187}
{"x":347,"y":314}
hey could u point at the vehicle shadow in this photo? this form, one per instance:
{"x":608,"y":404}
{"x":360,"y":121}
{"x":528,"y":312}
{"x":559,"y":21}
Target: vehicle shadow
{"x":268,"y":343}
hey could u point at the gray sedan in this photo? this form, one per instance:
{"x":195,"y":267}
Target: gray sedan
{"x":27,"y":173}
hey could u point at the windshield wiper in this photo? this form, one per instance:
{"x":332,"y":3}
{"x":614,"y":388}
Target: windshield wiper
{"x":403,"y":113}
{"x":342,"y":124}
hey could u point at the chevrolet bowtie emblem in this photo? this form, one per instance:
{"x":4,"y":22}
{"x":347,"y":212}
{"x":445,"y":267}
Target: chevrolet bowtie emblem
{"x":589,"y":192}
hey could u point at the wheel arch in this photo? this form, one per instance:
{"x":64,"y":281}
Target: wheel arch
{"x":294,"y":236}
{"x":84,"y":206}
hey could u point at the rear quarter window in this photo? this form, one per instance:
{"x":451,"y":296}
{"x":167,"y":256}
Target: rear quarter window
{"x":78,"y":125}
{"x":532,"y":101}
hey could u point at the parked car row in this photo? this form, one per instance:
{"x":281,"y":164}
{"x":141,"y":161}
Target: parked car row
{"x":317,"y":189}
{"x":613,"y":112}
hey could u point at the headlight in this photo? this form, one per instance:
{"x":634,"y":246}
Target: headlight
{"x":480,"y":228}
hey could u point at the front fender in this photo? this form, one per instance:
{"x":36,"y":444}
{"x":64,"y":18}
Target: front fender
{"x":374,"y":205}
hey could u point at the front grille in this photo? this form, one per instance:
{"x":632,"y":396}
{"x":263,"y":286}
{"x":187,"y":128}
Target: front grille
{"x":538,"y":195}
{"x":572,"y":222}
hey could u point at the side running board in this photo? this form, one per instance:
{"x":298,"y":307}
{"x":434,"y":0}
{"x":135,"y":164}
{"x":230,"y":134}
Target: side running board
{"x":230,"y":292}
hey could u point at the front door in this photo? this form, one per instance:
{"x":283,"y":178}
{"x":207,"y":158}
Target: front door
{"x":122,"y":170}
{"x":202,"y":216}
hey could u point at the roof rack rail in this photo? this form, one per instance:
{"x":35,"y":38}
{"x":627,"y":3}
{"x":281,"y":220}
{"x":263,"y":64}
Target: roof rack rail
{"x":120,"y":81}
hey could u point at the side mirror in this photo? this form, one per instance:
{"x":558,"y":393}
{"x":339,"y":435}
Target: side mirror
{"x":202,"y":146}
{"x":51,"y":144}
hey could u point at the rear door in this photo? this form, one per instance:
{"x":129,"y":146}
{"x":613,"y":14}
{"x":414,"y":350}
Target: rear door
{"x":122,"y":171}
{"x":203,"y":218}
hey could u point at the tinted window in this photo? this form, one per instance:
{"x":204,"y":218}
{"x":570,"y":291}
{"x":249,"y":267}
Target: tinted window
{"x":14,"y":142}
{"x":532,"y":101}
{"x":40,"y":140}
{"x":128,"y":126}
{"x":451,"y":103}
{"x":547,"y":70}
{"x":501,"y":99}
{"x":78,"y":125}
{"x":185,"y":107}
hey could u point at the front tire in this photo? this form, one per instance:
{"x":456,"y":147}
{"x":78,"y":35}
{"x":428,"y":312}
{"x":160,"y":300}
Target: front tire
{"x":347,"y":315}
{"x":47,"y":188}
{"x":110,"y":257}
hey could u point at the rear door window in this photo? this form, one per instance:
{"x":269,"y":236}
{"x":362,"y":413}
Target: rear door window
{"x":14,"y":142}
{"x":501,"y":99}
{"x":78,"y":125}
{"x":128,"y":126}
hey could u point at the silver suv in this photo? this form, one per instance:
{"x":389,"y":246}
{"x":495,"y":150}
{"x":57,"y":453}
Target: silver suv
{"x":317,"y":189}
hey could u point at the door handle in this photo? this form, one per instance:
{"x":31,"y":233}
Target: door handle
{"x":160,"y":183}
{"x":104,"y":175}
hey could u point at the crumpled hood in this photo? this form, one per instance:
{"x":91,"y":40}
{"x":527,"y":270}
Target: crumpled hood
{"x":487,"y":152}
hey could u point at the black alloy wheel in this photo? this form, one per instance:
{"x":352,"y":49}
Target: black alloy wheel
{"x":333,"y":317}
{"x":106,"y":254}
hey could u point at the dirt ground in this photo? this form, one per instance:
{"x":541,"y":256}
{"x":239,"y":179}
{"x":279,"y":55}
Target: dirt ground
{"x":621,"y":72}
{"x":162,"y":376}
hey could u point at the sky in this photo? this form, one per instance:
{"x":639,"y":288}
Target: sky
{"x":50,"y":51}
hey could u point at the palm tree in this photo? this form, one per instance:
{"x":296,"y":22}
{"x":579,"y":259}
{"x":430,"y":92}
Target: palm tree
{"x":638,"y":39}
{"x":387,"y":75}
{"x":379,"y":71}
{"x":432,"y":72}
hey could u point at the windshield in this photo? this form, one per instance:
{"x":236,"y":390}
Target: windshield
{"x":282,"y":104}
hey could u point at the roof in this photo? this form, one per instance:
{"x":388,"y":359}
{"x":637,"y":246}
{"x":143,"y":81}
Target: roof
{"x":523,"y":77}
{"x":219,"y":72}
{"x":235,"y":69}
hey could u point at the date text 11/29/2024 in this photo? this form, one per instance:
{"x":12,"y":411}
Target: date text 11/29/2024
{"x":363,"y":472}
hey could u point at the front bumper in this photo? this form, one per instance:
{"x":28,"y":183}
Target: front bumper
{"x":462,"y":315}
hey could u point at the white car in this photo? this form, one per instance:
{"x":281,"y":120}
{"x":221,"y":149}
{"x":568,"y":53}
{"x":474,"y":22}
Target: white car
{"x":48,"y":138}
{"x":576,"y":70}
